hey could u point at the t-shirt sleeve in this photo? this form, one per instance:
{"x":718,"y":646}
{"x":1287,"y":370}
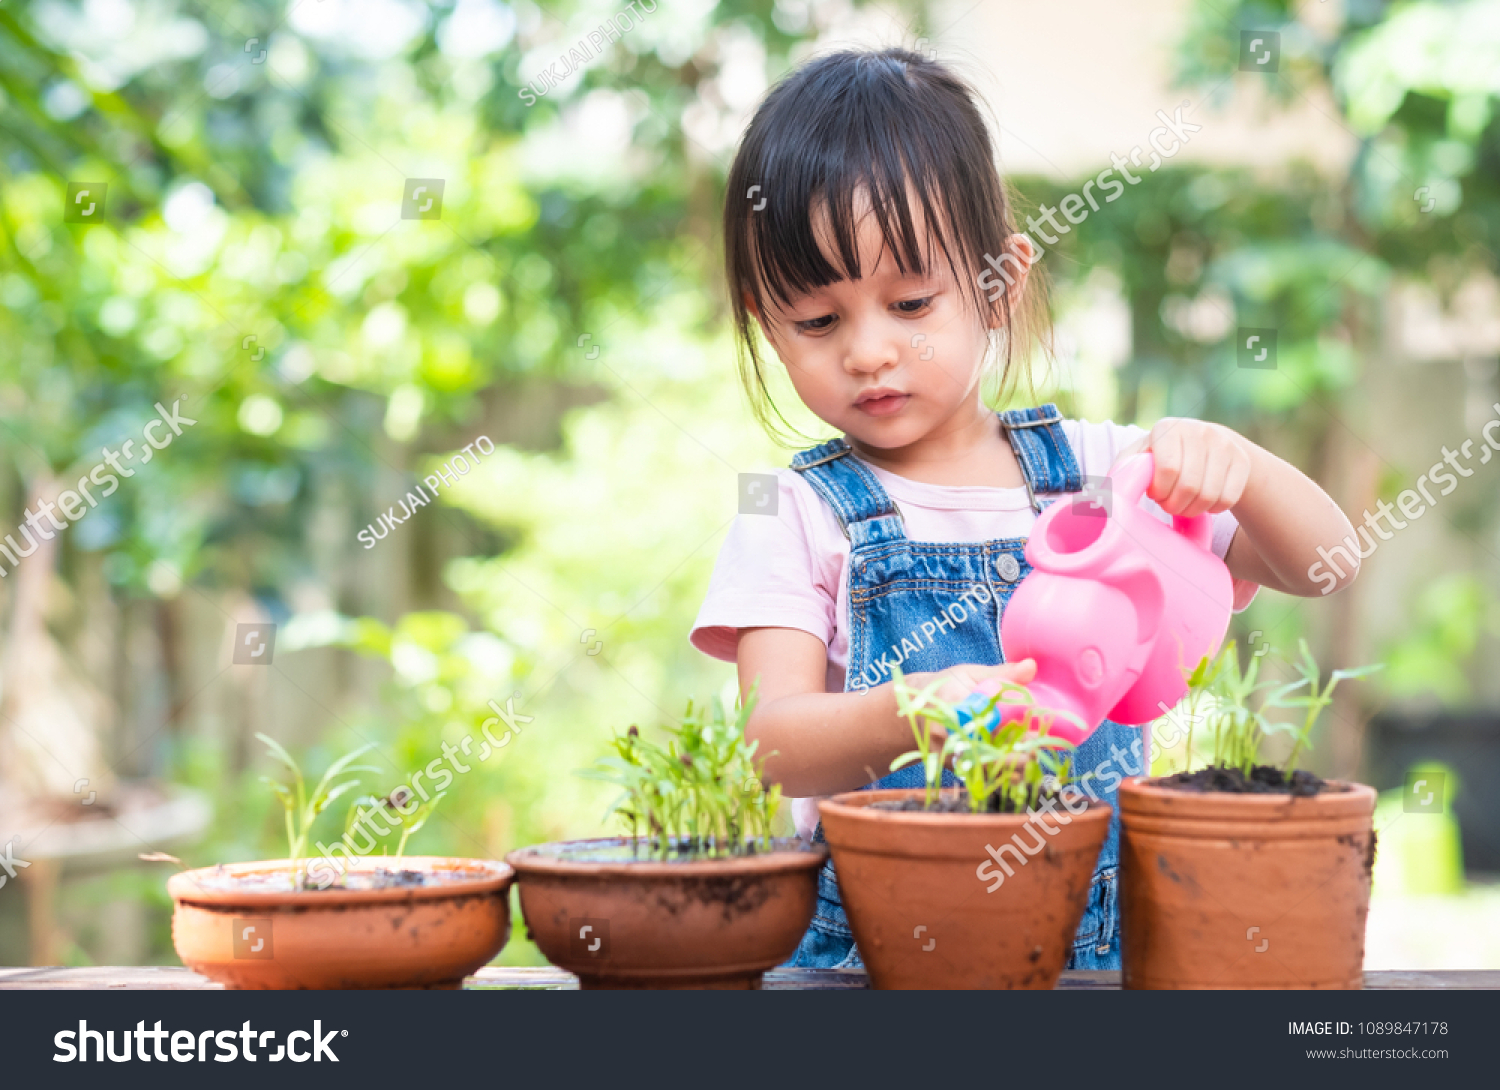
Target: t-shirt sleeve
{"x":769,"y":574}
{"x":1097,"y":447}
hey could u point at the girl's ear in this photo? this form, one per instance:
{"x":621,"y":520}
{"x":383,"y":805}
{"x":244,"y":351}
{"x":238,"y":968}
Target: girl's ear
{"x":759,"y":317}
{"x":1009,"y":273}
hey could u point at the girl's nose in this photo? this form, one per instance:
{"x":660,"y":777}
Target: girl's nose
{"x":871,"y":349}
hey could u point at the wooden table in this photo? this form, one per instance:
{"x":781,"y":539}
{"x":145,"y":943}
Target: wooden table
{"x":548,"y":978}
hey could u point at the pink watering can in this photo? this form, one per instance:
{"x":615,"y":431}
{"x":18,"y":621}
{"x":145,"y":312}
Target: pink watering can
{"x":1120,"y":607}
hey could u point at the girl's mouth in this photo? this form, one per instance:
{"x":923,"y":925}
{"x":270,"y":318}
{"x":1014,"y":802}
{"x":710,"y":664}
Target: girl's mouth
{"x":886,"y":405}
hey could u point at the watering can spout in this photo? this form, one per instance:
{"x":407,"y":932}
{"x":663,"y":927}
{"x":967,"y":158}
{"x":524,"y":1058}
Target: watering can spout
{"x":1119,"y":606}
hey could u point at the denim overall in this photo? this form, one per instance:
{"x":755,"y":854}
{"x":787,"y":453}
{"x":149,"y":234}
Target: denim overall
{"x":895,"y":587}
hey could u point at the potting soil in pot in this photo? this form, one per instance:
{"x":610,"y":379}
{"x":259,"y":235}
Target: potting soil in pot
{"x":952,"y":804}
{"x":282,"y":881}
{"x":1263,"y":780}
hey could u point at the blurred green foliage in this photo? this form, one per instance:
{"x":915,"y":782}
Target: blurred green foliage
{"x":253,"y":258}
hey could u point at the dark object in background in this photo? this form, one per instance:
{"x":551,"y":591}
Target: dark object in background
{"x":1468,"y":743}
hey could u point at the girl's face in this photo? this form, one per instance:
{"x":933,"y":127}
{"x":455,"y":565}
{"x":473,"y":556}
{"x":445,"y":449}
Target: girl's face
{"x":889,"y":359}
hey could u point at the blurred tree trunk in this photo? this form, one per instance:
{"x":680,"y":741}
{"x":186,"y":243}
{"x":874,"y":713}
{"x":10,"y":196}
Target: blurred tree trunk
{"x":51,"y":715}
{"x":40,"y":882}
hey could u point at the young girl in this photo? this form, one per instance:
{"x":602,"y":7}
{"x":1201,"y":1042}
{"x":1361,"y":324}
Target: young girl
{"x":864,"y":207}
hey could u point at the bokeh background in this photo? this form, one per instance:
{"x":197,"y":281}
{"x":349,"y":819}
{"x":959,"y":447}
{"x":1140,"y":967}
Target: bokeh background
{"x":259,"y":251}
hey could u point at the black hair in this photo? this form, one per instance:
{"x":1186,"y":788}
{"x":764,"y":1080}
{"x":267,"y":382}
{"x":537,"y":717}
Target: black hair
{"x":881,"y":126}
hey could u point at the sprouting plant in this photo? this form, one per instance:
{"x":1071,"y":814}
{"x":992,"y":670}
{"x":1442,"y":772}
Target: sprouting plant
{"x":1220,"y":695}
{"x":702,"y":791}
{"x":1314,"y":700}
{"x":392,"y":803}
{"x":1014,"y":764}
{"x":303,"y":807}
{"x":1238,"y":729}
{"x":417,"y":819}
{"x":1199,"y":682}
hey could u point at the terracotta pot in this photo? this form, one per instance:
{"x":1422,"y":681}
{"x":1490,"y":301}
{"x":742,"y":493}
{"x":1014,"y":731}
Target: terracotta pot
{"x":1223,"y":890}
{"x":932,"y":907}
{"x":414,"y":937}
{"x":712,"y":923}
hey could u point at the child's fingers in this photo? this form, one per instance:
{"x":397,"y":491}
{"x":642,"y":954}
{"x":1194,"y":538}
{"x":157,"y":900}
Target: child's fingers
{"x":1215,"y":472}
{"x":1166,"y":449}
{"x":1187,"y":487}
{"x":1019,"y":672}
{"x":1226,"y":470}
{"x":991,"y":679}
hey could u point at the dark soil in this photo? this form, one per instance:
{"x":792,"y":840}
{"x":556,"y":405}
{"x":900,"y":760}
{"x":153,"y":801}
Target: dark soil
{"x":953,"y":803}
{"x":686,"y":849}
{"x":1263,"y":780}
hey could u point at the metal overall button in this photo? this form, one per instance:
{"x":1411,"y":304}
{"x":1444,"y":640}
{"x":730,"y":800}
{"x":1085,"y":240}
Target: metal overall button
{"x":1007,"y":567}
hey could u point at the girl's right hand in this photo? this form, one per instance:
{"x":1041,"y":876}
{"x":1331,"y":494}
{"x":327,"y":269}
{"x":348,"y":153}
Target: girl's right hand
{"x":959,"y":681}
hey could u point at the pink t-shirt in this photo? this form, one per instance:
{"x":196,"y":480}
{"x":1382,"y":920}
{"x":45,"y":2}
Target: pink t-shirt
{"x":790,"y":570}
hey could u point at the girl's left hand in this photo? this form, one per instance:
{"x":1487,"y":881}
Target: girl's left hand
{"x":1200,"y":467}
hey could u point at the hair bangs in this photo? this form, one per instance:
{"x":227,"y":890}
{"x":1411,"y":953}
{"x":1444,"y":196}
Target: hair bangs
{"x":812,"y":239}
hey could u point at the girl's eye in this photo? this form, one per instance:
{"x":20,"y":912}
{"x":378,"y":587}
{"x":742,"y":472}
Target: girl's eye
{"x":914,"y":306}
{"x":813,"y":325}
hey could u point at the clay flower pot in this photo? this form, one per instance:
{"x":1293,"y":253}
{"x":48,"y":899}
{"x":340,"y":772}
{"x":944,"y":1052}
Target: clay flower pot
{"x":1223,"y":890}
{"x":940,"y":900}
{"x":234,"y":925}
{"x":621,"y":922}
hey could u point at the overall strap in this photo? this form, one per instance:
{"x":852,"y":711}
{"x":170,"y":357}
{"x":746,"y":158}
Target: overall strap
{"x":1047,"y":460}
{"x":865,"y":511}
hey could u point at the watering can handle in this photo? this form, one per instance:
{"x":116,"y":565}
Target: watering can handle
{"x":1132,"y":478}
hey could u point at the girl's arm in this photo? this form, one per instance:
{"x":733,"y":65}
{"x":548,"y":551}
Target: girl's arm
{"x":819,"y":743}
{"x":1284,"y":516}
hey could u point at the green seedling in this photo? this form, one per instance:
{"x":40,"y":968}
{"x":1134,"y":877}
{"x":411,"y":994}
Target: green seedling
{"x":701,"y":792}
{"x":417,"y":819}
{"x":410,"y":823}
{"x":1008,"y":768}
{"x":1221,"y":696}
{"x":1314,"y":700}
{"x":303,"y":807}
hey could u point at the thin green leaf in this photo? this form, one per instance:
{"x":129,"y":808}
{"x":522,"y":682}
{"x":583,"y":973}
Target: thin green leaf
{"x":279,"y":752}
{"x":338,"y":766}
{"x":319,"y":805}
